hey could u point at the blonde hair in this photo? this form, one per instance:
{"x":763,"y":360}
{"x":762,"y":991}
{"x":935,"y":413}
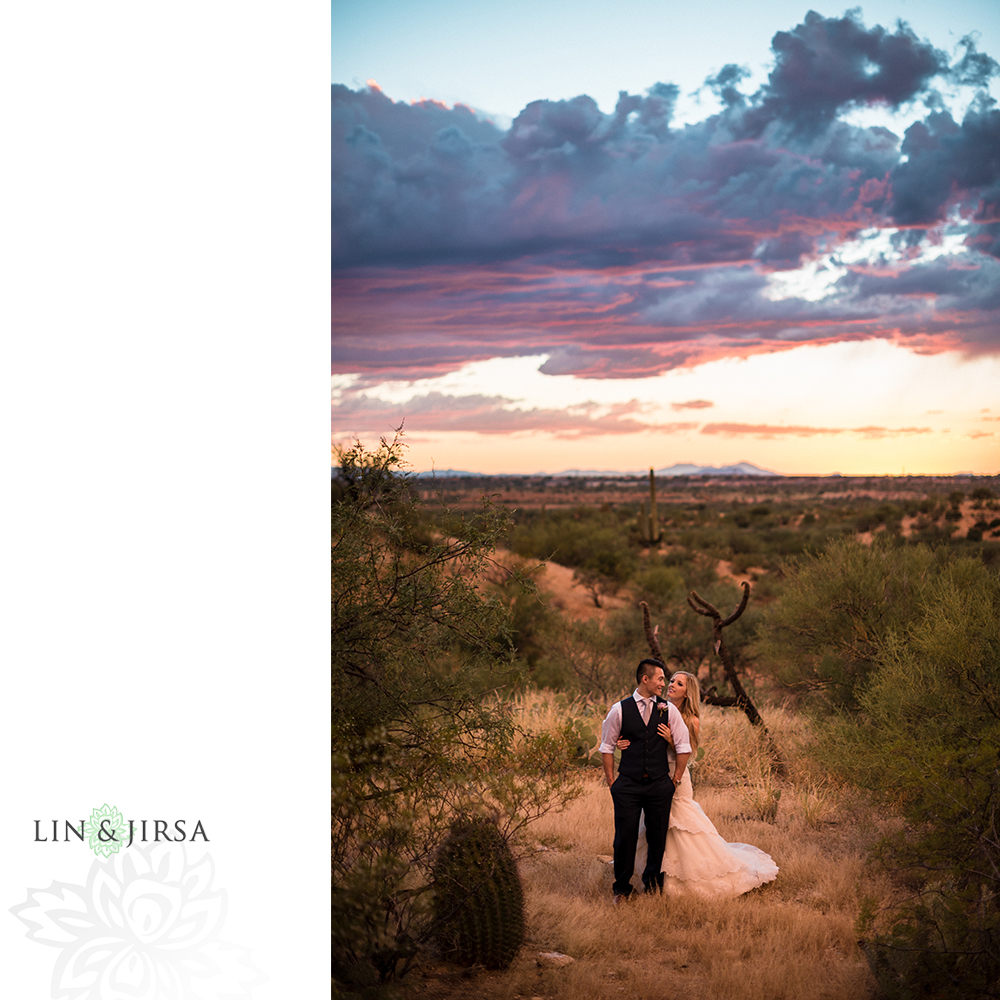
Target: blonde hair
{"x":690,"y":706}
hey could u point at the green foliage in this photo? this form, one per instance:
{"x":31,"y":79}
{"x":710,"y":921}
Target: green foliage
{"x":420,"y":649}
{"x":886,"y":513}
{"x":595,"y":657}
{"x":568,"y":537}
{"x":825,"y":634}
{"x":478,"y":898}
{"x":592,"y":542}
{"x":925,"y":739}
{"x":659,"y":585}
{"x":528,"y":608}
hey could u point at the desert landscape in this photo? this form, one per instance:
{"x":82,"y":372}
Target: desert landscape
{"x":570,"y":567}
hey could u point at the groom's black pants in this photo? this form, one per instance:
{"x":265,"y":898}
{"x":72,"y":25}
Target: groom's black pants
{"x":631,"y":799}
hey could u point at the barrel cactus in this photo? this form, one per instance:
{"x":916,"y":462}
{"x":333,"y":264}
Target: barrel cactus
{"x":478,"y":898}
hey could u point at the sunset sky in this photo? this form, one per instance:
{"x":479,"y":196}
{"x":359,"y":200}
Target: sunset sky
{"x":582,"y":235}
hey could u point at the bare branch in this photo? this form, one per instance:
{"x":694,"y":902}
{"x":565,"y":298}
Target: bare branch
{"x":702,"y":606}
{"x":740,"y":609}
{"x":651,"y":639}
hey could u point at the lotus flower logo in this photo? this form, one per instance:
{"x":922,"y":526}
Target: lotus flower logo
{"x":108,"y":830}
{"x":144,"y":927}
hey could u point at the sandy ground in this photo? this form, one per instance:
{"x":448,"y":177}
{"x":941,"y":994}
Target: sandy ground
{"x":565,"y":594}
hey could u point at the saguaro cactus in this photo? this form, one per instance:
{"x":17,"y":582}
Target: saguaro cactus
{"x":649,"y":524}
{"x":478,"y":898}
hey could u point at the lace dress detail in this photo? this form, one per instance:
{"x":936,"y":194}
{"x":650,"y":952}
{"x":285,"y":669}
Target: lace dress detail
{"x":696,"y":858}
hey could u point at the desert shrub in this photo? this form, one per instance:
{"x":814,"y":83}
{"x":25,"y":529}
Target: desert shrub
{"x":595,"y":657}
{"x":743,"y":542}
{"x":594,"y":542}
{"x":658,"y":585}
{"x":837,"y":609}
{"x":929,"y":721}
{"x":417,"y":646}
{"x":678,"y":557}
{"x":568,"y":537}
{"x":576,"y":718}
{"x":934,"y":534}
{"x":529,"y":608}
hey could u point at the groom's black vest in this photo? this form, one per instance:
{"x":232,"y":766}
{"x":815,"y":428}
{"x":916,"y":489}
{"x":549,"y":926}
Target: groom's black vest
{"x":646,"y":754}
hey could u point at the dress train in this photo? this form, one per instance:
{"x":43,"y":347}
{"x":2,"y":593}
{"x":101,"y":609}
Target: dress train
{"x":697,"y":859}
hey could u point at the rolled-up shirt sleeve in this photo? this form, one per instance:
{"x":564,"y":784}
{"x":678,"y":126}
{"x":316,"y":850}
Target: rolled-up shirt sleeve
{"x":678,"y":730}
{"x":612,"y":729}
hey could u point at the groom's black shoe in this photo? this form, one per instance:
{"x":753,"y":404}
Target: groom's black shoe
{"x":652,"y":887}
{"x":620,"y":898}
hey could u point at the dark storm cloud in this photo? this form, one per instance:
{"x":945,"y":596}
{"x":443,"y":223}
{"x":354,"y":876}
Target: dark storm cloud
{"x":827,"y":64}
{"x":422,"y":183}
{"x":619,"y":245}
{"x":950,"y":163}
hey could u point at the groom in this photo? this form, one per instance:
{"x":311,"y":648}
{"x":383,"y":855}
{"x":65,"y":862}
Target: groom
{"x":644,"y":783}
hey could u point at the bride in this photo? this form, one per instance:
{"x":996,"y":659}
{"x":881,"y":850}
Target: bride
{"x":697,"y":859}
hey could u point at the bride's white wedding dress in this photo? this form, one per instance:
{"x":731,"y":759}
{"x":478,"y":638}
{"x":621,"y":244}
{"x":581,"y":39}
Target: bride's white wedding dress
{"x":697,"y":859}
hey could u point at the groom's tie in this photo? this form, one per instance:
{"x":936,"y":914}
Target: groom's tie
{"x":644,"y":711}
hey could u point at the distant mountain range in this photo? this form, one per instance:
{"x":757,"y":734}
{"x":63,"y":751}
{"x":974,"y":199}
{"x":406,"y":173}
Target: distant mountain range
{"x":680,"y":469}
{"x":739,"y":469}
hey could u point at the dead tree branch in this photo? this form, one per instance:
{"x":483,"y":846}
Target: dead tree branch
{"x":702,"y":607}
{"x":651,"y":639}
{"x":742,"y":699}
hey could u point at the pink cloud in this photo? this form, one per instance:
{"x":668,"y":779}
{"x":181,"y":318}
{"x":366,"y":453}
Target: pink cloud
{"x":786,"y":430}
{"x":619,"y":246}
{"x":354,"y":413}
{"x":693,"y":404}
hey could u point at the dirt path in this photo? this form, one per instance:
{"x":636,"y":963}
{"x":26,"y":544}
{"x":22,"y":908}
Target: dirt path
{"x":562,"y":591}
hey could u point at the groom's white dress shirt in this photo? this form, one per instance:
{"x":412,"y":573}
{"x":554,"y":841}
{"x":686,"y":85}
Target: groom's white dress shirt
{"x":612,"y":727}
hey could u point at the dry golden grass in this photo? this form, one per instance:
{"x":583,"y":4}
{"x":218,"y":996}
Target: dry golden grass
{"x":793,"y":938}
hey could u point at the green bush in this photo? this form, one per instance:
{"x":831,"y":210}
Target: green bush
{"x":594,"y":657}
{"x":929,"y":721}
{"x":419,"y":735}
{"x":905,"y":642}
{"x":823,"y":637}
{"x":658,"y":585}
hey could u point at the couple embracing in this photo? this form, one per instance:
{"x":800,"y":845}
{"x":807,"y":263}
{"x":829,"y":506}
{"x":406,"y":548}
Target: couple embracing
{"x":656,"y":737}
